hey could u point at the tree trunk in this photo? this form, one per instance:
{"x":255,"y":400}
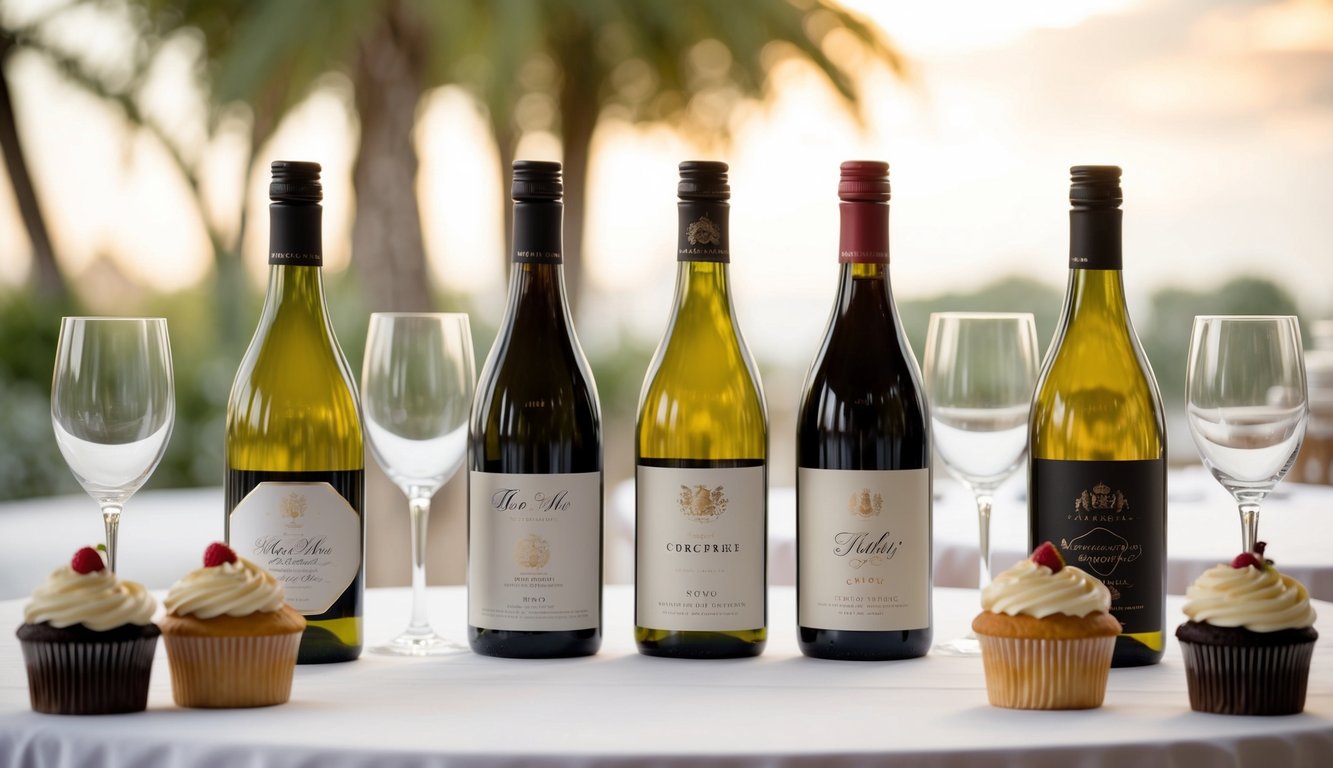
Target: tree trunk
{"x":579,"y":109}
{"x":388,"y":251}
{"x":46,"y":278}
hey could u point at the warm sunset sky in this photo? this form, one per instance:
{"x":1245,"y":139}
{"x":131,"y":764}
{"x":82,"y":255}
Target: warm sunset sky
{"x":1220,"y":112}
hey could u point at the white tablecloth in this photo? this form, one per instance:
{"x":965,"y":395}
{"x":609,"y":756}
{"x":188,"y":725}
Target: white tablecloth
{"x":162,"y":534}
{"x":620,"y":708}
{"x":1203,"y":529}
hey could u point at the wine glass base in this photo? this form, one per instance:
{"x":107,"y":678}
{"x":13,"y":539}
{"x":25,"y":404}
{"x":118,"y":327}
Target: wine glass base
{"x":967,"y":645}
{"x":419,"y":644}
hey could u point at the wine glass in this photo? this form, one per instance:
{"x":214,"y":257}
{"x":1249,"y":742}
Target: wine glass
{"x":981,"y":369}
{"x":1247,"y":405}
{"x":112,"y":407}
{"x":416,"y":393}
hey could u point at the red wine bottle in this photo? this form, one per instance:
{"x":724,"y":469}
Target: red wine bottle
{"x":863,"y":477}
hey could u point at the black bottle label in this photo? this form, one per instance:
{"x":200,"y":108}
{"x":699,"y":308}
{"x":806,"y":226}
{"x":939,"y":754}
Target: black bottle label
{"x":703,"y":234}
{"x":538,"y":232}
{"x":1109,"y":519}
{"x":294,"y":235}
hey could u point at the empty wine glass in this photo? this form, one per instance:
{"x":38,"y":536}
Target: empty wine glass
{"x":980,"y":372}
{"x":416,"y":393}
{"x":112,"y":407}
{"x":1247,"y":405}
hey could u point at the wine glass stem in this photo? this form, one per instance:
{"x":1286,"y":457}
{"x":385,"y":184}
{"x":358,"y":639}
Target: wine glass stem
{"x":983,"y":526}
{"x":111,"y":517}
{"x":1249,"y":524}
{"x":418,"y":506}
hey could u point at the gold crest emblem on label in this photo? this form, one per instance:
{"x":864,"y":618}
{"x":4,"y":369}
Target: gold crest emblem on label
{"x":864,"y":504}
{"x":703,"y":232}
{"x":702,"y":503}
{"x":532,"y":552}
{"x":293,"y":508}
{"x":1101,"y":499}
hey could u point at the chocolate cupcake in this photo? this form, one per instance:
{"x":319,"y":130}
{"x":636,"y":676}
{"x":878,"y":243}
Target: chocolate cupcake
{"x":88,"y":641}
{"x":1248,"y":643}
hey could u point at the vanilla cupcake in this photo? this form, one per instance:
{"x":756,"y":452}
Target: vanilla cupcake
{"x":88,"y":640}
{"x":1249,"y":639}
{"x":1046,"y":635}
{"x":231,"y":639}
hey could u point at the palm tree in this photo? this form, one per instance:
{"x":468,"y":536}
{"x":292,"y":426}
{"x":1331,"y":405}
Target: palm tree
{"x":635,"y":56}
{"x":653,"y":61}
{"x":46,"y":278}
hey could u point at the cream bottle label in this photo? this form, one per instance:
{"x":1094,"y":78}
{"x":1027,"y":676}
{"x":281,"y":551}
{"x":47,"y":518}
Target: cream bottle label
{"x":864,"y":562}
{"x":699,"y":543}
{"x":306,"y":535}
{"x":533,"y":560}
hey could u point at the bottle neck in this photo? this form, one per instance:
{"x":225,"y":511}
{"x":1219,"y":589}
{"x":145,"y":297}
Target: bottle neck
{"x":1094,"y":238}
{"x":296,"y":253}
{"x":1096,"y":291}
{"x":703,"y":252}
{"x":862,"y":281}
{"x":537,"y":277}
{"x":864,"y":234}
{"x":703,"y":232}
{"x":294,"y":235}
{"x":1095,"y":279}
{"x":703,"y":288}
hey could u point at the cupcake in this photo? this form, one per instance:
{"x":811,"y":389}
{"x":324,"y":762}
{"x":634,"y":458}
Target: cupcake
{"x":1249,"y":638}
{"x":88,"y":640}
{"x":1046,"y":635}
{"x":231,"y":640}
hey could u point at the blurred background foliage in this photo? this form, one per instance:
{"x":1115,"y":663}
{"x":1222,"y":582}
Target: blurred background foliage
{"x":530,"y":66}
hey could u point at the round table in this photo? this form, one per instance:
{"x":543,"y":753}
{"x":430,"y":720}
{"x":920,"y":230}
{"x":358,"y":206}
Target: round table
{"x":620,"y":708}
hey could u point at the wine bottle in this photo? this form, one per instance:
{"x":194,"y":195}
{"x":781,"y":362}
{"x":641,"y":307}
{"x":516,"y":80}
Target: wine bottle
{"x":701,"y":449}
{"x":295,"y":462}
{"x":1097,"y":460}
{"x":863,"y":457}
{"x":535,"y":470}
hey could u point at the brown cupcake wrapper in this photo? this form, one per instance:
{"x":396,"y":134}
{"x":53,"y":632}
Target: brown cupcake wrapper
{"x":87,"y":678}
{"x":1247,"y":680}
{"x":1033,"y":673}
{"x":218,"y":672}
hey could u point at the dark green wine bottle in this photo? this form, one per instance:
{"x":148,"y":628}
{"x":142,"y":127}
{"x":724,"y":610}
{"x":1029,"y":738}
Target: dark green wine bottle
{"x":535,"y":467}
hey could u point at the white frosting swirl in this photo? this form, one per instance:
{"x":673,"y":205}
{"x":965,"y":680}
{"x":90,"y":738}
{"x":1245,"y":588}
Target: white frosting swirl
{"x":1258,"y":599}
{"x":97,"y":600}
{"x":234,"y":589}
{"x":1034,"y":590}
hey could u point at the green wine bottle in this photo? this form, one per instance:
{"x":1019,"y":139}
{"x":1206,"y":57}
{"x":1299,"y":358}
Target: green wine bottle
{"x":1097,"y":461}
{"x":295,"y":463}
{"x":702,"y":455}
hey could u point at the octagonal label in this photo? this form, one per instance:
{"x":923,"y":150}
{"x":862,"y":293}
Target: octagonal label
{"x":306,"y":535}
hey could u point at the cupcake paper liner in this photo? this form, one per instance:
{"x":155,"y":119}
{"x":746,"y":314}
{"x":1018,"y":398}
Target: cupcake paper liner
{"x":1254,"y":680}
{"x":232,"y":671}
{"x":77,"y":678}
{"x":1031,"y":673}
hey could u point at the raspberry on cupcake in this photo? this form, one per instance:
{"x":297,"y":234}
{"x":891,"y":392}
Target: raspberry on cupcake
{"x":231,"y":639}
{"x":1249,"y":639}
{"x":1046,"y":635}
{"x":88,"y":640}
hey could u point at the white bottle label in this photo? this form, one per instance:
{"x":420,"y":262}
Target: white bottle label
{"x":864,"y":549}
{"x":306,"y":535}
{"x":699,"y":545}
{"x":533,"y":551}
